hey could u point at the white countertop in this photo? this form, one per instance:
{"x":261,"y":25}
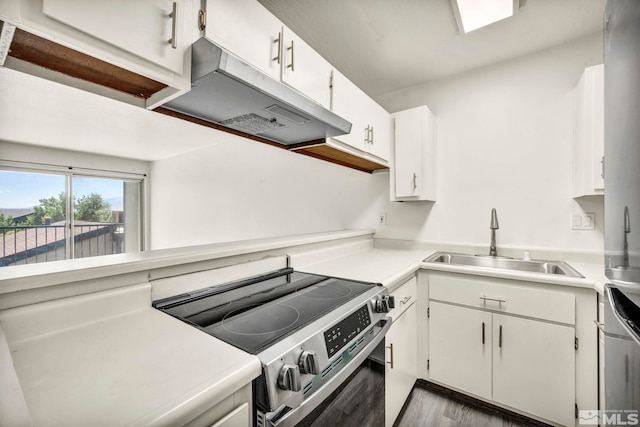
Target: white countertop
{"x":112,"y":359}
{"x":22,"y":277}
{"x":391,"y":266}
{"x":118,"y":367}
{"x":361,"y":261}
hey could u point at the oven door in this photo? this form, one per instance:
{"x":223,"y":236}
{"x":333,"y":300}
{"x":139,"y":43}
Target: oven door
{"x":354,"y":396}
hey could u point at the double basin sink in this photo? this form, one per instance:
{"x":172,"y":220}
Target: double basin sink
{"x":501,"y":263}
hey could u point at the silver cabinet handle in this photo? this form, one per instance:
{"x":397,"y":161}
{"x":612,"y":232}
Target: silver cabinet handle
{"x":279,"y":41}
{"x":405,"y":300}
{"x":415,"y":183}
{"x":485,"y":298}
{"x":602,"y":164}
{"x":173,"y":41}
{"x":292,"y":65}
{"x":390,"y":362}
{"x":500,"y":337}
{"x":366,"y":135}
{"x":371,"y":136}
{"x":202,"y":20}
{"x":482,"y":332}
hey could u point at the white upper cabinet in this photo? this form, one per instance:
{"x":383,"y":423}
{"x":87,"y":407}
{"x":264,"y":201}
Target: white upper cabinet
{"x":371,"y":130}
{"x":413,"y":175}
{"x":146,"y":38}
{"x":588,"y":133}
{"x":248,"y":30}
{"x":304,"y":69}
{"x":380,"y":131}
{"x":150,"y":29}
{"x":351,"y":103}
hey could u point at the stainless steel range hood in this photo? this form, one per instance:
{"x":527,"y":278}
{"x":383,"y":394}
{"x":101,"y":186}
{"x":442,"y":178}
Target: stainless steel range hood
{"x":234,"y":94}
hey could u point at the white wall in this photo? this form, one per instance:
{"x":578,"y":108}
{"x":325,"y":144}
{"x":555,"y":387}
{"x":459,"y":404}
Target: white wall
{"x":504,"y":141}
{"x":241,"y":189}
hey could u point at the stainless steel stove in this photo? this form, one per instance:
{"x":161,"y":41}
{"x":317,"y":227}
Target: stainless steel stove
{"x":310,"y":332}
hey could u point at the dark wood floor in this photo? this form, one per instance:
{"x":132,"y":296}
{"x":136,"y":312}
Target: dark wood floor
{"x":359,"y":402}
{"x":433,"y":408}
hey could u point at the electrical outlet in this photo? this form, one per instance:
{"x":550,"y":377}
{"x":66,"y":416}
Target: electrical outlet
{"x":583,"y":221}
{"x":382,"y":219}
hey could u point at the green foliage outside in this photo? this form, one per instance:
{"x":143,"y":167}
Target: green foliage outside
{"x":53,"y":207}
{"x":6,"y":222}
{"x":90,"y":207}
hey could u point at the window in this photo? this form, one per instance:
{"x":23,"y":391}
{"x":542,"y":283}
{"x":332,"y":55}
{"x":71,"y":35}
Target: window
{"x":50,"y":215}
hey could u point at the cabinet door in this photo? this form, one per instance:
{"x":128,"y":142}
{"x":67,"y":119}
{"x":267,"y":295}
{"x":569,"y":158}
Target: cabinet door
{"x":534,"y":367}
{"x":142,"y":27}
{"x":381,"y":131}
{"x":239,"y":417}
{"x":588,"y":133}
{"x":401,"y":375}
{"x":350,"y":103}
{"x":408,"y":153}
{"x":304,"y":69}
{"x":460,"y":348}
{"x":248,"y":30}
{"x":597,"y":169}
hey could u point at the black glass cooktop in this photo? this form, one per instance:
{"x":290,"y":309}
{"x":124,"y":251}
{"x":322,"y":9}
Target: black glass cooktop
{"x":254,"y":314}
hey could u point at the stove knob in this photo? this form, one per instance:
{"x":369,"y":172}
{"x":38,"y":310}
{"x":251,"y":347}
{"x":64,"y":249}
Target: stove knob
{"x":385,"y":303}
{"x":308,"y":363}
{"x":289,"y":378}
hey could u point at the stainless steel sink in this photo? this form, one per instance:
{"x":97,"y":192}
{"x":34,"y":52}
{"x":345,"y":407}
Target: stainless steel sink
{"x":536,"y":266}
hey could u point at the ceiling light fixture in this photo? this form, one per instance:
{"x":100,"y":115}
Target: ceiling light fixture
{"x":473,"y":14}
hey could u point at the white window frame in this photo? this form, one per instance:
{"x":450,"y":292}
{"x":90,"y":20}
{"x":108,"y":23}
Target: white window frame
{"x":70,"y":172}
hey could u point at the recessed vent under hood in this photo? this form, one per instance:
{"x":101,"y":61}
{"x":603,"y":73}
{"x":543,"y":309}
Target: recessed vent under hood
{"x":252,"y":124}
{"x":232,"y":93}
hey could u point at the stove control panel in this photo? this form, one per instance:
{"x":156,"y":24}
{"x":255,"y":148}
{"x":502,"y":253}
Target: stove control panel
{"x":343,"y":332}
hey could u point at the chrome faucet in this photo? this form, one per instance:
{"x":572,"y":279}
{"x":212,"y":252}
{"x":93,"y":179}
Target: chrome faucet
{"x":494,"y":226}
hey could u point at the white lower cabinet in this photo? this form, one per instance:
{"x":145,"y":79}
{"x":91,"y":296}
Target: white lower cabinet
{"x":534,"y":367}
{"x":514,"y":346}
{"x":234,"y":411}
{"x":401,"y":367}
{"x":460,"y":348}
{"x":237,"y":418}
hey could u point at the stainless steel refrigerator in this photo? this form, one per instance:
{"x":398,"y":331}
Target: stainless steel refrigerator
{"x":622,"y":209}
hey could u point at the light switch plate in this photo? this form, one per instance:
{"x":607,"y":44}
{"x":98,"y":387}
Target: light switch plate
{"x":583,"y":221}
{"x":382,"y":219}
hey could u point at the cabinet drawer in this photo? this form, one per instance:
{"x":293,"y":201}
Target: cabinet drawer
{"x":516,"y":298}
{"x":405,"y":295}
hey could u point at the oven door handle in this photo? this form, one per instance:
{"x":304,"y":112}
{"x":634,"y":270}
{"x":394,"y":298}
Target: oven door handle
{"x":296,"y":415}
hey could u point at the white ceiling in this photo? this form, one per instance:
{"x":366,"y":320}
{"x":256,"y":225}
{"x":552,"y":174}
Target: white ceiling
{"x":388,"y":45}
